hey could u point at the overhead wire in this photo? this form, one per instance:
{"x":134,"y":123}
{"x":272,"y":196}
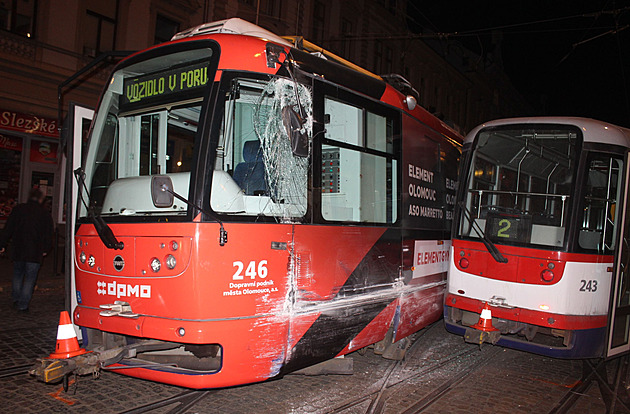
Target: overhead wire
{"x":476,"y":32}
{"x":583,"y":34}
{"x":445,"y":35}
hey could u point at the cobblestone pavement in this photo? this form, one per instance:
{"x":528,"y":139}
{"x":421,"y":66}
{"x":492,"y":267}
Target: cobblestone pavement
{"x":490,"y":379}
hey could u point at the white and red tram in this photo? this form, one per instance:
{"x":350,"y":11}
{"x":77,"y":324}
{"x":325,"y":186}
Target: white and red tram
{"x":541,"y":237}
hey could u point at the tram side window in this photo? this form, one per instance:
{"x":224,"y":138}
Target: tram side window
{"x":358,"y":186}
{"x":256,"y":172}
{"x":601,"y":192}
{"x":106,"y":166}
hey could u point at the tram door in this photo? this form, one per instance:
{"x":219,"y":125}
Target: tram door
{"x":619,"y":314}
{"x":80,"y":119}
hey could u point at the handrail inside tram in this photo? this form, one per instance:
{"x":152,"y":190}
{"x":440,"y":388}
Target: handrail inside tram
{"x":564,"y":196}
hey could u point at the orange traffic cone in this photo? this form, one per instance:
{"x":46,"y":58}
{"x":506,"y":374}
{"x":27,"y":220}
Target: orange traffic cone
{"x":485,"y":320}
{"x":67,"y":343}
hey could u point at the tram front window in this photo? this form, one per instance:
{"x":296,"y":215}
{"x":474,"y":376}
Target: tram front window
{"x":256,"y":172}
{"x":520,"y":185}
{"x":146,"y":125}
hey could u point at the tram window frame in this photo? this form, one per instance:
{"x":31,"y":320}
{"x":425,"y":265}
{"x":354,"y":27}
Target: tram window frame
{"x":584,"y":237}
{"x":362,"y":153}
{"x":220,"y":158}
{"x":175,"y":56}
{"x":526,"y":220}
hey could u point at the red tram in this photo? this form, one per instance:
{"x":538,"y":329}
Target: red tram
{"x":253,"y":205}
{"x":541,"y":238}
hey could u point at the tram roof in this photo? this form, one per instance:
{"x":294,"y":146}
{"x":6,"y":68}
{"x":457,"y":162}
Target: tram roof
{"x":592,"y":129}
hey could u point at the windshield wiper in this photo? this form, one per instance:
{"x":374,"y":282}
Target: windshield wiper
{"x":492,"y":249}
{"x":104,"y":231}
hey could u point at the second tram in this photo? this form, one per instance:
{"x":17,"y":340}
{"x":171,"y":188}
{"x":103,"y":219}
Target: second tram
{"x":541,"y":237}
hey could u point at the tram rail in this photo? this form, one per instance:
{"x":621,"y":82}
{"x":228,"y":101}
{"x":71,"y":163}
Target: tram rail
{"x":15,"y":370}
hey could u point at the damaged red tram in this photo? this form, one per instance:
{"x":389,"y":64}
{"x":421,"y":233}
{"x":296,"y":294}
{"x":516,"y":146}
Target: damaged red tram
{"x":253,"y":205}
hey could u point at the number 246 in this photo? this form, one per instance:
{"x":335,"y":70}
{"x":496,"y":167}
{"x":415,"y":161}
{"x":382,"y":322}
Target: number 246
{"x":251,"y":271}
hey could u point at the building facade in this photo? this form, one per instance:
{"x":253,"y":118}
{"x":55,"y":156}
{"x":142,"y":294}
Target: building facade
{"x":44,"y":43}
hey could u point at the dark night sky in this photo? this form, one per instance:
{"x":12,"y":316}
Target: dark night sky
{"x":590,"y":79}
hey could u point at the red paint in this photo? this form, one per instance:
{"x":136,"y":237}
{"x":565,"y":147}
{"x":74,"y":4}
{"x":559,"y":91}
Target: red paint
{"x":533,"y":252}
{"x":253,"y":330}
{"x":420,"y":308}
{"x":524,"y":264}
{"x":375,"y":331}
{"x":540,"y":318}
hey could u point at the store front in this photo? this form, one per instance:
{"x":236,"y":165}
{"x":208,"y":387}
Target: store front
{"x":29,"y":148}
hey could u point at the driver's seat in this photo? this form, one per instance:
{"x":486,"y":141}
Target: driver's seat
{"x":250,"y":174}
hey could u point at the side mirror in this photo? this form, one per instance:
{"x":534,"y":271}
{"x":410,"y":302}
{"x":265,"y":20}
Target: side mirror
{"x":294,"y":125}
{"x":159,"y":186}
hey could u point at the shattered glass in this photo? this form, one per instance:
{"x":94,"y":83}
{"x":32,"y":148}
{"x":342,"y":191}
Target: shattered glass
{"x":286,"y":173}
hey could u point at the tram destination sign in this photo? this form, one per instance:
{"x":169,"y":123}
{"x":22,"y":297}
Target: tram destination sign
{"x":165,"y":86}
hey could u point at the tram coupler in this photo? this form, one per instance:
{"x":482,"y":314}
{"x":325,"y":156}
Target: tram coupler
{"x":476,"y":336}
{"x":52,"y":371}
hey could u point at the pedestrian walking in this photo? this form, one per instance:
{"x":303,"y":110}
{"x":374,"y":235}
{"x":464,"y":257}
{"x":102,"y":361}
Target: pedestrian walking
{"x":30,"y":226}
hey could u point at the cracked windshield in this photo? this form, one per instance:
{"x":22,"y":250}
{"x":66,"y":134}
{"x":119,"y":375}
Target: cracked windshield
{"x":256,"y":172}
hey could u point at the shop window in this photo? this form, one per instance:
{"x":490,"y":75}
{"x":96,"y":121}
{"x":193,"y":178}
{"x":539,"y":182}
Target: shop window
{"x":346,"y":43}
{"x":99,"y":34}
{"x":272,"y":8}
{"x":319,"y":20}
{"x":165,"y":29}
{"x":389,"y":60}
{"x":18,"y":16}
{"x":10,"y":162}
{"x":378,"y":56}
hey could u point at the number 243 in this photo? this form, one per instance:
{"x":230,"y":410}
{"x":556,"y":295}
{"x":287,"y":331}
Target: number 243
{"x":588,"y":286}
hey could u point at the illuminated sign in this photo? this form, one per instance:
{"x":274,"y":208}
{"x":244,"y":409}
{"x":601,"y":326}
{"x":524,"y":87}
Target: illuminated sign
{"x":31,"y":124}
{"x":160,"y":85}
{"x":508,"y":228}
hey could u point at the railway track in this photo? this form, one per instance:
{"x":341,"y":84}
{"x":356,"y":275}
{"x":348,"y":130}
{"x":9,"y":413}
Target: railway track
{"x":15,"y":370}
{"x":378,"y":398}
{"x":184,"y":401}
{"x":447,"y":386}
{"x":595,"y":374}
{"x":378,"y":394}
{"x":432,"y":375}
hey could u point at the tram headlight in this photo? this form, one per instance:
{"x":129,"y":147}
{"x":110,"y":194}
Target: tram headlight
{"x":170,"y":261}
{"x":463,"y":263}
{"x":83,"y":257}
{"x":174,"y":245}
{"x":547,"y":275}
{"x":155,"y":265}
